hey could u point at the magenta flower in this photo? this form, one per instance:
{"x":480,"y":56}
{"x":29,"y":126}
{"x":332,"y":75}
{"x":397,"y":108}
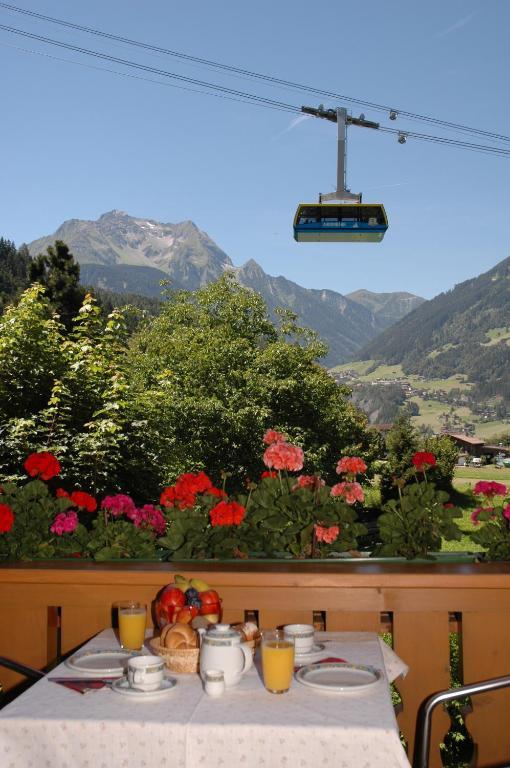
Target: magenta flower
{"x":489,"y":488}
{"x":350,"y":492}
{"x":506,"y":511}
{"x":117,"y":505}
{"x":148,"y":516}
{"x":65,"y":522}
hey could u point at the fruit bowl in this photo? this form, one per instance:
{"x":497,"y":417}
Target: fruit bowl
{"x":184,"y":661}
{"x":184,"y":599}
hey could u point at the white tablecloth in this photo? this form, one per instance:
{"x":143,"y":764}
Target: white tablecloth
{"x":50,"y":726}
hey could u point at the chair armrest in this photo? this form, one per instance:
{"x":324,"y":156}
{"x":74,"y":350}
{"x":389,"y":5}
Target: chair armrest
{"x":22,"y":669}
{"x":423,"y":720}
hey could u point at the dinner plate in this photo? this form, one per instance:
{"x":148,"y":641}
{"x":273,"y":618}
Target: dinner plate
{"x":112,"y":661}
{"x":315,"y":654}
{"x":122,"y":686}
{"x":338,"y":677}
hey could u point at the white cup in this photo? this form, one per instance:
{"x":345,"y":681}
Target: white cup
{"x":146,"y":672}
{"x":302,"y":634}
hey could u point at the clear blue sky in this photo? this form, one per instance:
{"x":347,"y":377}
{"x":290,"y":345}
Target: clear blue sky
{"x":77,"y":142}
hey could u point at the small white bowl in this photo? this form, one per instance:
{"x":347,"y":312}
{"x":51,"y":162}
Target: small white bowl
{"x":302,"y":634}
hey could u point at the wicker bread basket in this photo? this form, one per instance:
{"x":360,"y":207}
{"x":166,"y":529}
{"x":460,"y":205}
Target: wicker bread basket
{"x":180,"y":660}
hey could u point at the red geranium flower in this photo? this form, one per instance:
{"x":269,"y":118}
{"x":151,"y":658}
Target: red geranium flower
{"x":61,"y":493}
{"x":313,"y":482}
{"x":283,"y":456}
{"x":352,"y":465}
{"x":6,"y":518}
{"x":84,"y":500}
{"x":327,"y":535}
{"x":272,"y":436}
{"x":350,"y":492}
{"x":216,"y":492}
{"x":227,"y":513}
{"x":268,"y":473}
{"x":423,"y":460}
{"x":42,"y":464}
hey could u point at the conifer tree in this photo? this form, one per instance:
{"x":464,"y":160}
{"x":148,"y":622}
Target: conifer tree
{"x":59,"y":273}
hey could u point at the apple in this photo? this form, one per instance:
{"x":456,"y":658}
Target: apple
{"x":169,"y":601}
{"x":211,"y":603}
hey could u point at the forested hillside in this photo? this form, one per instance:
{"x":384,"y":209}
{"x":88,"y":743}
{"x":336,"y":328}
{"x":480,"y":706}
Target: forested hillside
{"x":463,"y":331}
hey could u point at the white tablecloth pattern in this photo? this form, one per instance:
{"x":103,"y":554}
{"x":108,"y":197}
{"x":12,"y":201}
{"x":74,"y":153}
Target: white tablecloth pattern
{"x":50,"y":726}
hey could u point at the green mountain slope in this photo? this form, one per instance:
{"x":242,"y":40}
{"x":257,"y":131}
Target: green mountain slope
{"x":463,"y":331}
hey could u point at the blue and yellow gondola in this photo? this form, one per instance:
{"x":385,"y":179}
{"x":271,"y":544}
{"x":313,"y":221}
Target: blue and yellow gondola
{"x":340,"y":223}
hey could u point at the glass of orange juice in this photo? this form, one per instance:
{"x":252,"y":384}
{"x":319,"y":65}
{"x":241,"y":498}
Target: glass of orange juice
{"x":277,"y":661}
{"x":132,"y":622}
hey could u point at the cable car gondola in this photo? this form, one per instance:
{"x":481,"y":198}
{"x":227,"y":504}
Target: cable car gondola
{"x":347,"y":220}
{"x":335,"y":223}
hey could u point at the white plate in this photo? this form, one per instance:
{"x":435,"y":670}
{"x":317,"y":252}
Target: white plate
{"x":112,"y":661}
{"x":317,"y":652}
{"x":338,"y":677}
{"x":122,"y":686}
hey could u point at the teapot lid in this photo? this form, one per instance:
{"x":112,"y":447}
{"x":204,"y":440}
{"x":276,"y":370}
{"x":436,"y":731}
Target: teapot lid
{"x":223,"y":632}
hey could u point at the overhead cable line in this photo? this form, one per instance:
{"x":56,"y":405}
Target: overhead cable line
{"x":131,"y":76}
{"x":256,"y":75}
{"x":155,"y":70}
{"x":244,"y":96}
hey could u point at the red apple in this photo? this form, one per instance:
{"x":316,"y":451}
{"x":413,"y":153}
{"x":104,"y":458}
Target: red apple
{"x":211,"y":603}
{"x":169,"y":601}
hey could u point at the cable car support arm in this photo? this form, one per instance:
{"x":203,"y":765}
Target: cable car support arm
{"x":342,"y":119}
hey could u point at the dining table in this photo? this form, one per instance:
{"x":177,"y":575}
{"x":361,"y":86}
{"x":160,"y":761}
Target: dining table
{"x":53,"y":726}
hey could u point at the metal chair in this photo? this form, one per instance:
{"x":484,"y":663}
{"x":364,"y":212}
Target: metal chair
{"x":423,"y":720}
{"x":31,"y":673}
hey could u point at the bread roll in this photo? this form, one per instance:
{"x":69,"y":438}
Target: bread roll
{"x":248,"y":630}
{"x":178,"y":636}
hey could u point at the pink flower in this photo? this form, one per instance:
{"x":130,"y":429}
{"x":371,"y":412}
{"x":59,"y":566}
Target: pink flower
{"x":148,"y":517}
{"x":488,"y":488}
{"x":65,"y":522}
{"x":476,"y":512}
{"x":506,"y":511}
{"x":313,"y":482}
{"x":117,"y":505}
{"x":352,"y":465}
{"x":327,"y":535}
{"x":272,"y":436}
{"x":350,"y":492}
{"x":283,"y":455}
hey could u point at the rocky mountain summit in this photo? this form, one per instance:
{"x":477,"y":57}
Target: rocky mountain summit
{"x":129,"y":254}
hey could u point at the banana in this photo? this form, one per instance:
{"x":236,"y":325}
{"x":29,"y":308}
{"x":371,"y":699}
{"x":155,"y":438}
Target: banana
{"x":199,"y":585}
{"x":181,"y":582}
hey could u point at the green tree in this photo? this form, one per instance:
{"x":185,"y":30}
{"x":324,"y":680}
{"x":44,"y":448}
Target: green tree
{"x":401,"y":444}
{"x":59,"y":273}
{"x":212,"y":373}
{"x":14,"y":264}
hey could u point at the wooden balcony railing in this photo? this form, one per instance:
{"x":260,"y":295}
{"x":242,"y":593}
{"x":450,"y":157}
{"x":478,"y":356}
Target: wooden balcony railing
{"x":49,"y":608}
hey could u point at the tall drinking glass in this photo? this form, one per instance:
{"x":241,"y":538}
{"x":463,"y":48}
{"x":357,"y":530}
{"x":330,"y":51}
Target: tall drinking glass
{"x":277,"y":661}
{"x":132,"y":623}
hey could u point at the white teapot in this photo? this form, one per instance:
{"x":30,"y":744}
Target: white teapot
{"x":221,"y":648}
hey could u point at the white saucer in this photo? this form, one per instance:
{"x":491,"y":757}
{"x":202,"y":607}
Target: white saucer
{"x":317,"y":652}
{"x":338,"y":677}
{"x":112,"y":661}
{"x":122,"y":686}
